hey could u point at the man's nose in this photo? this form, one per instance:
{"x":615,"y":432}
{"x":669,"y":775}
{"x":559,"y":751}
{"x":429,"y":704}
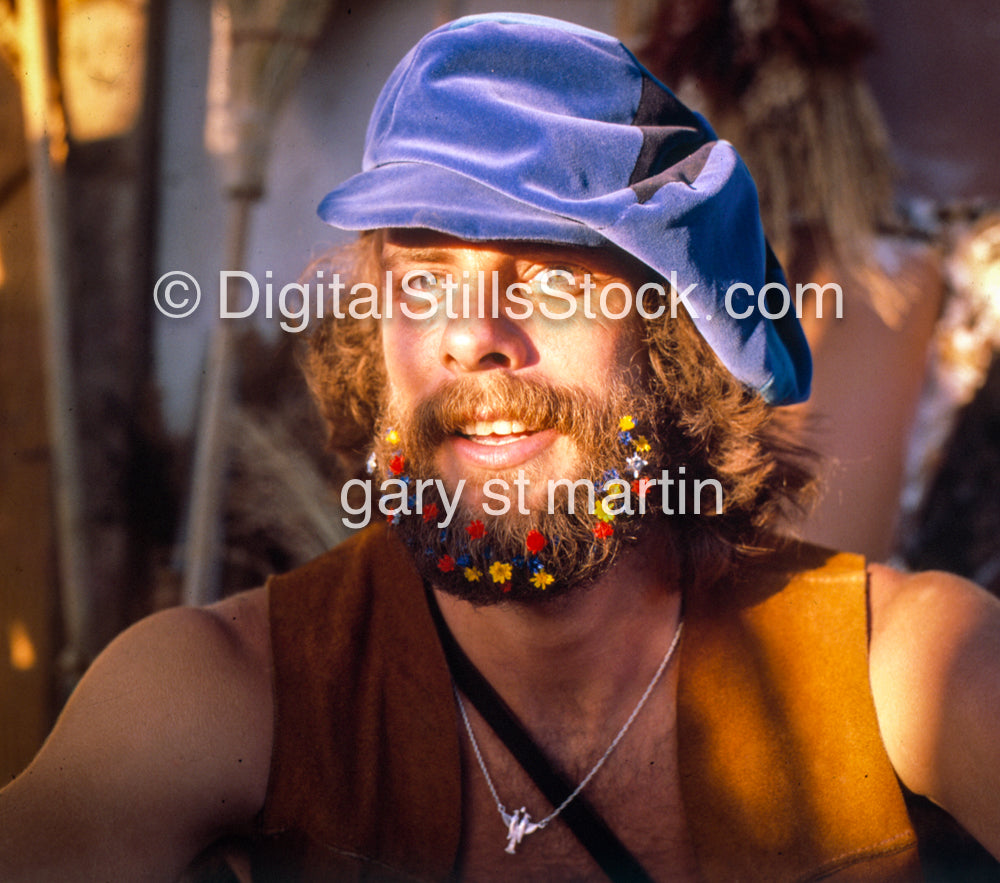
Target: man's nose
{"x":483,"y":342}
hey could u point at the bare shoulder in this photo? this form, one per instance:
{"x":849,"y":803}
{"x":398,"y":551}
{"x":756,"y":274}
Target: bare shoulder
{"x":935,"y":676}
{"x":892,"y":593}
{"x":244,"y":624}
{"x":164,"y":746}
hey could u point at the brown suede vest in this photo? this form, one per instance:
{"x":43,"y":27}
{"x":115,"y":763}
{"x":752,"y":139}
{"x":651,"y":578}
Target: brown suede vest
{"x":783,"y":772}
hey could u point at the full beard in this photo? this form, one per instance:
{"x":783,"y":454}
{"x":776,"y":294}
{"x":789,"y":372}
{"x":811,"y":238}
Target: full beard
{"x":486,"y":558}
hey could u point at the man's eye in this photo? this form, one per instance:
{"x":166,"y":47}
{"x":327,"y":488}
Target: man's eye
{"x":424,"y":281}
{"x":556,"y":279}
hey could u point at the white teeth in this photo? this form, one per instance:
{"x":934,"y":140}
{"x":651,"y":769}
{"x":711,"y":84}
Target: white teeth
{"x":494,"y":427}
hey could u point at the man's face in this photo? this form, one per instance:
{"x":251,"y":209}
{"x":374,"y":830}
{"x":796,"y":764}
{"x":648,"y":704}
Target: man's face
{"x":425,"y":355}
{"x":476,"y":397}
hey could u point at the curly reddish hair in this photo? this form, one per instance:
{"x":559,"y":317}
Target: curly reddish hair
{"x":714,"y":425}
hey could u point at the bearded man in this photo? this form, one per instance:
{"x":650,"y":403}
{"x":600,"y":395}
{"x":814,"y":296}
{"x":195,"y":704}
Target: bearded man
{"x":580,"y":649}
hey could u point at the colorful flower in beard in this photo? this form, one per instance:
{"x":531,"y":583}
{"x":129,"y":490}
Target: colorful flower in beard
{"x":489,"y":558}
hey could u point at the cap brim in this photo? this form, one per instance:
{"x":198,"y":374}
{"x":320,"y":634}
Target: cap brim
{"x":422,"y":195}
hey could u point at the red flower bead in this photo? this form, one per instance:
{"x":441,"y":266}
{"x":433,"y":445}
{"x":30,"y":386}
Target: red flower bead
{"x":431,"y":512}
{"x":476,"y":530}
{"x":446,"y":564}
{"x":641,"y":486}
{"x":535,"y":541}
{"x":397,"y":464}
{"x":602,"y":530}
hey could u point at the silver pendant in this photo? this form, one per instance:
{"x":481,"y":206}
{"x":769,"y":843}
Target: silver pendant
{"x":518,"y":826}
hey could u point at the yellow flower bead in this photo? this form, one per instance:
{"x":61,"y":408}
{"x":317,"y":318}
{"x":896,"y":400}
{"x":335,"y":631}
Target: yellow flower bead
{"x":542,"y":580}
{"x":641,"y":445}
{"x":500,"y":572}
{"x":602,"y":511}
{"x":626,"y":423}
{"x":392,"y":437}
{"x":472,"y":574}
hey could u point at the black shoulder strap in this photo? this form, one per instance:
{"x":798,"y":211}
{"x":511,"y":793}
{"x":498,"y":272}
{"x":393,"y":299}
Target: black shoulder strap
{"x":580,"y":816}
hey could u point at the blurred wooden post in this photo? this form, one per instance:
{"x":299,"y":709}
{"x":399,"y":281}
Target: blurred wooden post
{"x":27,"y":582}
{"x":85,"y":119}
{"x":259,"y":48}
{"x":45,"y":134}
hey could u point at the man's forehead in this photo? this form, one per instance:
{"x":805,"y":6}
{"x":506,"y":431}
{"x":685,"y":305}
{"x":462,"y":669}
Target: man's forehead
{"x":421,"y":244}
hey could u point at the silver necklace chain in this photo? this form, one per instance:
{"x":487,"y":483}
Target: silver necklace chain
{"x":519,"y":823}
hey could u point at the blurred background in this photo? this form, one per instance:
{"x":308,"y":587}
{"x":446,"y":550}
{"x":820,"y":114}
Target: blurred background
{"x":149,"y":460}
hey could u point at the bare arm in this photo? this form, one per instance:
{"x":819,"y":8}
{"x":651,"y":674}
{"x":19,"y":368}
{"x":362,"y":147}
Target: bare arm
{"x":163,"y":747}
{"x":935,"y":673}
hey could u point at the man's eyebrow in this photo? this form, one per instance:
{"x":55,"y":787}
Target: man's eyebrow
{"x":403,"y":255}
{"x":582,"y":259}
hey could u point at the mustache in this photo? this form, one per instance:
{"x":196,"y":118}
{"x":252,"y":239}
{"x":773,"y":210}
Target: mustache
{"x":536,"y":403}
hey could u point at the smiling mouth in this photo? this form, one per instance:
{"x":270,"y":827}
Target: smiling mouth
{"x":495,"y":432}
{"x":497,"y":441}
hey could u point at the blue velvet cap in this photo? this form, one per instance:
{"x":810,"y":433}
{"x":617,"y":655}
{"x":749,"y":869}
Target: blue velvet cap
{"x":519,"y":127}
